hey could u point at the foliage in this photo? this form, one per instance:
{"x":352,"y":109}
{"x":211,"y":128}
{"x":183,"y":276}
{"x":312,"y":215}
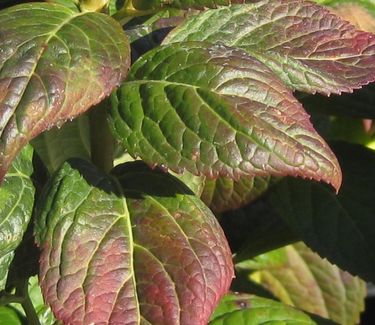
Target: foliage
{"x":163,"y":155}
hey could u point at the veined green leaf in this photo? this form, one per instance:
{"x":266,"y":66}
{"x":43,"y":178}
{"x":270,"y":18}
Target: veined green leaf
{"x":244,"y":309}
{"x":301,"y":278}
{"x":325,"y":222}
{"x":16,"y":204}
{"x":307,"y":46}
{"x":215,"y":111}
{"x":223,"y":194}
{"x":141,"y":249}
{"x":53,"y":71}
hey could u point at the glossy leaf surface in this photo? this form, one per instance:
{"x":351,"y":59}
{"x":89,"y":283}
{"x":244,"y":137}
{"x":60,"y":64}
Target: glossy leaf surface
{"x":299,"y":277}
{"x":54,"y":71}
{"x":307,"y":46}
{"x":325,"y":221}
{"x":245,"y":309}
{"x":16,"y":204}
{"x":153,"y":255}
{"x":223,"y":194}
{"x":215,"y":111}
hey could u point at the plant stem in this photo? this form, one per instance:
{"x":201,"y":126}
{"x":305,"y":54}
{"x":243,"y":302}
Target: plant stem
{"x":27,"y":305}
{"x":7,"y":299}
{"x":102,"y":143}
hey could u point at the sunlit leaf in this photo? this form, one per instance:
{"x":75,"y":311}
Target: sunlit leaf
{"x":215,"y":111}
{"x":307,"y":46}
{"x":140,"y":250}
{"x":16,"y":204}
{"x":244,"y":309}
{"x":301,"y":278}
{"x":53,"y":71}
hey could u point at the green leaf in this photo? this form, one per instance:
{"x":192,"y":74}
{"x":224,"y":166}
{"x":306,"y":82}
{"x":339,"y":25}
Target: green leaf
{"x":183,"y":4}
{"x":301,"y":278}
{"x":5,"y":261}
{"x":59,"y":144}
{"x":215,"y":111}
{"x":43,"y":311}
{"x":308,"y":47}
{"x":223,"y":194}
{"x":244,"y":309}
{"x":16,"y":204}
{"x":53,"y":71}
{"x":71,"y":4}
{"x":141,"y":249}
{"x":8,"y":316}
{"x":256,"y":229}
{"x":342,"y":227}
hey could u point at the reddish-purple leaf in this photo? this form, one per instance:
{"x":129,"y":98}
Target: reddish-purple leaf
{"x":55,"y":63}
{"x":307,"y":46}
{"x":139,"y":250}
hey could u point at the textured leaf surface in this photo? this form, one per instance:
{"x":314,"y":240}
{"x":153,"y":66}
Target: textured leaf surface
{"x":326,"y":221}
{"x":301,"y":278}
{"x":223,"y":194}
{"x":214,"y":111}
{"x":307,"y":46}
{"x":16,"y":204}
{"x":52,"y":71}
{"x":59,"y":144}
{"x":244,"y":309}
{"x":155,"y":256}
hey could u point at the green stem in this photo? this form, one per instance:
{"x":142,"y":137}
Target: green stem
{"x":27,"y":305}
{"x":102,"y":143}
{"x":7,"y":299}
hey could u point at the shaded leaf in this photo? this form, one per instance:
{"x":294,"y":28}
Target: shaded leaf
{"x":225,"y":194}
{"x":359,"y":104}
{"x":325,"y":221}
{"x":16,"y":204}
{"x":307,"y":46}
{"x":256,"y":229}
{"x":215,"y":111}
{"x":59,"y":144}
{"x":244,"y":309}
{"x":54,"y":71}
{"x":299,"y":277}
{"x":153,"y":255}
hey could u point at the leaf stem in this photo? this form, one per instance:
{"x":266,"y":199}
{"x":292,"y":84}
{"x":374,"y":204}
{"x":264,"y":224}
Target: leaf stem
{"x":102,"y":143}
{"x":26,"y":303}
{"x":8,"y":298}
